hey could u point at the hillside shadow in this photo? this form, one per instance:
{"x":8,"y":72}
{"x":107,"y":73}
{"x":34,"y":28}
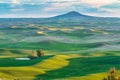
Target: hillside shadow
{"x":11,"y":62}
{"x":82,"y":67}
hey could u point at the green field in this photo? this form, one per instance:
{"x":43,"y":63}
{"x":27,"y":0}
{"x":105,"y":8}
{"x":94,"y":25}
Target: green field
{"x":71,"y":53}
{"x":72,"y":66}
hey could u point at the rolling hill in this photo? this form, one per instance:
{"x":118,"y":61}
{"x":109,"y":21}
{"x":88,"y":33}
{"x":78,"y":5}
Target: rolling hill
{"x":77,"y":47}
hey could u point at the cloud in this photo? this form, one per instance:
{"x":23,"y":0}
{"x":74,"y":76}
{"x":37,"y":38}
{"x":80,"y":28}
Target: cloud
{"x":113,"y":6}
{"x":16,"y":2}
{"x":111,"y":12}
{"x":62,"y":5}
{"x":15,"y":15}
{"x":55,"y":7}
{"x":98,"y":3}
{"x":17,"y":10}
{"x":112,"y":9}
{"x":107,"y":13}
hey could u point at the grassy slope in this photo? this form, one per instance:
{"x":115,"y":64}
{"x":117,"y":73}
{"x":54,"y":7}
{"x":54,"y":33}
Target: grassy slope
{"x":52,"y":46}
{"x":66,"y":67}
{"x":82,"y":68}
{"x":86,"y":66}
{"x":31,"y":71}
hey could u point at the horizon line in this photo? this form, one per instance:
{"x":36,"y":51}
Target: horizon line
{"x":63,"y":14}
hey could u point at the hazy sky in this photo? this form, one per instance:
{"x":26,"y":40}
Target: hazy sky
{"x":48,"y":8}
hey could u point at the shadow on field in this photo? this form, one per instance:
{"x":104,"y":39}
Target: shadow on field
{"x":81,"y":67}
{"x":11,"y":62}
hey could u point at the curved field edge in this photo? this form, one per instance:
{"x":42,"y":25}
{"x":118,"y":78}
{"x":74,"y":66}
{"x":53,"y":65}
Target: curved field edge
{"x":29,"y":72}
{"x":66,"y":66}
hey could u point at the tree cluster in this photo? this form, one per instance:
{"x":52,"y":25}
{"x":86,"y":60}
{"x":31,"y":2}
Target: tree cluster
{"x":36,"y":54}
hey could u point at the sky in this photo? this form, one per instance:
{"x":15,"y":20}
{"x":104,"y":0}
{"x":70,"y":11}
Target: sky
{"x":49,"y":8}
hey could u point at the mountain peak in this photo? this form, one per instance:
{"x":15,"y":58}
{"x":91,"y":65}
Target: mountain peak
{"x":71,"y":14}
{"x":74,"y":13}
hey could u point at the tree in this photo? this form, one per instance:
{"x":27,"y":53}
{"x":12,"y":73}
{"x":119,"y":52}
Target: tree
{"x":40,"y":53}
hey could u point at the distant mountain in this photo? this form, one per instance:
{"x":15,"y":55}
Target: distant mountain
{"x":72,"y":18}
{"x":72,"y":14}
